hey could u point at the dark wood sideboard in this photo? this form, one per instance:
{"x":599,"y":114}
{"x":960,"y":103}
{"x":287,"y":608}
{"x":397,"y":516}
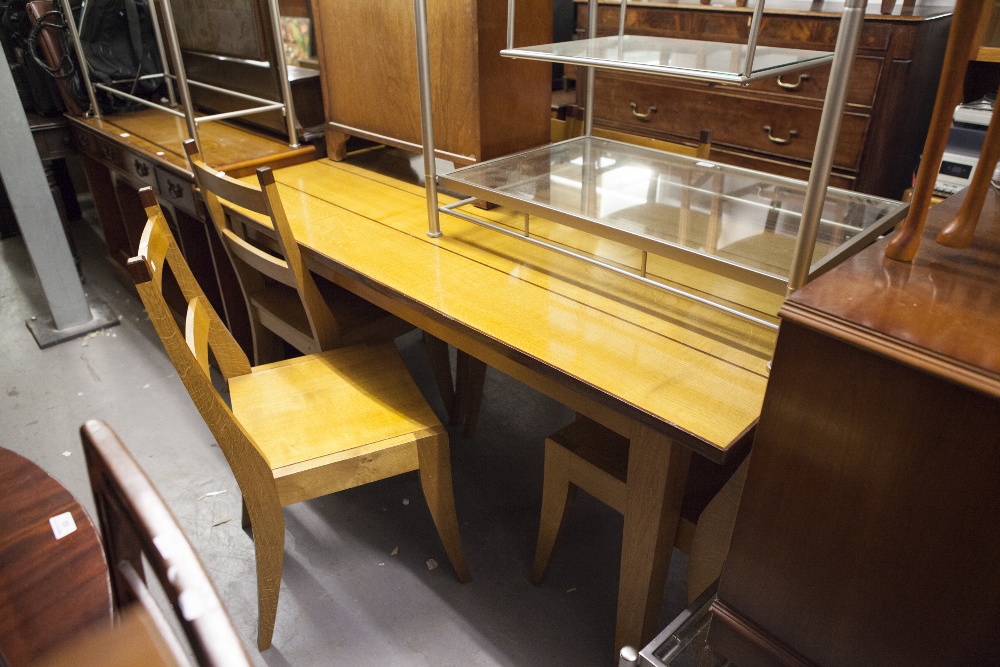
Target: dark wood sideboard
{"x":868,"y":531}
{"x":889,"y":101}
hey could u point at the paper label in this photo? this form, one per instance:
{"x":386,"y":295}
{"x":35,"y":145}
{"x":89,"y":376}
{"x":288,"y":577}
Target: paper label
{"x":62,"y":525}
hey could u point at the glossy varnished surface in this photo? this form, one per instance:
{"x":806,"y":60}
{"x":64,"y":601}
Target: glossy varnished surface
{"x":919,"y":10}
{"x":939,"y":313}
{"x":687,"y":371}
{"x":50,"y":589}
{"x":161,"y":136}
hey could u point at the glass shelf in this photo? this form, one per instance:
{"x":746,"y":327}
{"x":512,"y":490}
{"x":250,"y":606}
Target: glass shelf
{"x":735,"y":222}
{"x":712,"y":61}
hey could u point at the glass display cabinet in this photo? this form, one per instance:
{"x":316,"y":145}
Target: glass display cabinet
{"x":766,"y":231}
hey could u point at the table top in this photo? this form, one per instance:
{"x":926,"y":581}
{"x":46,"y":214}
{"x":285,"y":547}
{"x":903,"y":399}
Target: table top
{"x":917,"y":10}
{"x":691,"y":372}
{"x":161,"y":137}
{"x":53,"y":576}
{"x":938,"y":313}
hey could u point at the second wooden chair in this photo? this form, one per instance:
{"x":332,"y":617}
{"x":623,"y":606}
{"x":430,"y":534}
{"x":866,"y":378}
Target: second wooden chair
{"x":301,"y":428}
{"x":286,"y":303}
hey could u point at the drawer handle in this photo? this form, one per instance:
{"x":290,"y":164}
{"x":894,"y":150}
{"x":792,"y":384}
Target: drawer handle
{"x":141,"y":168}
{"x":793,"y":86}
{"x":175,"y":189}
{"x":778,"y":140}
{"x":641,"y":116}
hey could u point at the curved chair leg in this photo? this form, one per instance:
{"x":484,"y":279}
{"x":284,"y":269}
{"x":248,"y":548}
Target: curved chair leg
{"x":435,"y":479}
{"x":269,"y":542}
{"x":557,"y":494}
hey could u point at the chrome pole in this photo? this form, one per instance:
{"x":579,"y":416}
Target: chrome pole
{"x":426,"y":117}
{"x":282,"y":67}
{"x":588,"y":113}
{"x":510,"y":24}
{"x":163,"y":54}
{"x":95,"y":109}
{"x":755,"y":23}
{"x":621,"y":31}
{"x":181,"y":74}
{"x":826,"y":141}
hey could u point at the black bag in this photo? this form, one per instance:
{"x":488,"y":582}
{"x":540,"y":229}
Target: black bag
{"x":35,"y":87}
{"x":119,"y":43}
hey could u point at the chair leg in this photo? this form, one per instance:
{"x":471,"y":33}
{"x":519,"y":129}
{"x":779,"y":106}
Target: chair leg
{"x":269,"y":543}
{"x":267,"y":346}
{"x":437,"y":351}
{"x":557,"y":494}
{"x":469,"y":392}
{"x":435,"y":479}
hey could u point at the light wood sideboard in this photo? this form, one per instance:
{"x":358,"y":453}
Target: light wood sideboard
{"x":485,"y":106}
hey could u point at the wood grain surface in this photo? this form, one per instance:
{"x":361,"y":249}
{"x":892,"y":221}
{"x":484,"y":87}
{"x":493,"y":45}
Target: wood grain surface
{"x":686,"y":370}
{"x":50,"y":589}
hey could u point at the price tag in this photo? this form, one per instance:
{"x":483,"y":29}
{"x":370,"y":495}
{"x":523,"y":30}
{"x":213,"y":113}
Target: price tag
{"x":62,"y":525}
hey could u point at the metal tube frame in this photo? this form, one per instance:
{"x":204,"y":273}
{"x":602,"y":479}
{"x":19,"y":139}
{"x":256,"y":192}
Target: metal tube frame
{"x":180,"y":76}
{"x":755,"y":23}
{"x":426,"y":117}
{"x":826,"y":141}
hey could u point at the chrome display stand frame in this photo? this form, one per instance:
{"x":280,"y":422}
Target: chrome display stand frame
{"x":843,"y":57}
{"x":180,"y":80}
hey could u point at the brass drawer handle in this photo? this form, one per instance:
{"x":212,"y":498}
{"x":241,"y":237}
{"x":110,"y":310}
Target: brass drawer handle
{"x":778,"y":140}
{"x":641,"y":116}
{"x":141,"y":168}
{"x":793,"y":86}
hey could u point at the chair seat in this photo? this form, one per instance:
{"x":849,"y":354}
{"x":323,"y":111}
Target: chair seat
{"x":300,"y":411}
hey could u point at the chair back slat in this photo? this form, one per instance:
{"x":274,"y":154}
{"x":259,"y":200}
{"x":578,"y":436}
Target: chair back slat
{"x":259,"y":260}
{"x":196,"y":327}
{"x":229,"y":189}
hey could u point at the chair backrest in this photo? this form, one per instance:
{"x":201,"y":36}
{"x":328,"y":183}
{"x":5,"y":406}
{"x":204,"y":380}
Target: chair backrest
{"x":252,"y":262}
{"x":189,"y":351}
{"x":134,"y":522}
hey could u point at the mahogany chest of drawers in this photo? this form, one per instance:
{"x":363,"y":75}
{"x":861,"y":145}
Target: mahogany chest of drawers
{"x":771,"y":125}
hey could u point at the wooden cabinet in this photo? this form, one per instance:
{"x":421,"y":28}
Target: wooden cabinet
{"x":772,"y":124}
{"x":867,"y":533}
{"x":485,"y":106}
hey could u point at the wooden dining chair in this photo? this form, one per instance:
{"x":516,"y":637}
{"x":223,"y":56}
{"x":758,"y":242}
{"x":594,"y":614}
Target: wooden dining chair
{"x":287,"y":303}
{"x":284,"y":299}
{"x":135,"y":522}
{"x":299,"y":428}
{"x":585,"y":455}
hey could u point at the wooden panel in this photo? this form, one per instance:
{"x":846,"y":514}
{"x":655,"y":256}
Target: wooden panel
{"x":484,"y":105}
{"x":108,"y":214}
{"x":880,"y":547}
{"x":734,"y":118}
{"x":369,"y":64}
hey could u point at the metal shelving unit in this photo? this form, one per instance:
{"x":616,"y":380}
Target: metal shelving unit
{"x":178,"y":84}
{"x":571,"y":182}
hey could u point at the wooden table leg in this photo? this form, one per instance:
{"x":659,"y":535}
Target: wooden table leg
{"x":657,"y":473}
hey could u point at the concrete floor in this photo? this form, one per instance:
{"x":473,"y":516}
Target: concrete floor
{"x":345,"y":600}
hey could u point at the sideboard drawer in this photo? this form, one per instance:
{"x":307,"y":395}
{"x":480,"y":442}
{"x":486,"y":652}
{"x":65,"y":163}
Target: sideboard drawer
{"x":176,"y":191}
{"x":810,"y":84}
{"x":735,"y":118}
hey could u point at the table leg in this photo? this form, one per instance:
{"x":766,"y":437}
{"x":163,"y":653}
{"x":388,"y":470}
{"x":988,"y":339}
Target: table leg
{"x":657,"y":473}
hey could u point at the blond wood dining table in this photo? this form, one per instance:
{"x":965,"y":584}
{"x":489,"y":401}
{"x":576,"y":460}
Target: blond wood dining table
{"x":675,"y":377}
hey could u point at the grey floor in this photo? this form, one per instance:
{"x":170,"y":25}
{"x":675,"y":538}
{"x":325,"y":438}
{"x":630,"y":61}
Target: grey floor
{"x":345,"y":598}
